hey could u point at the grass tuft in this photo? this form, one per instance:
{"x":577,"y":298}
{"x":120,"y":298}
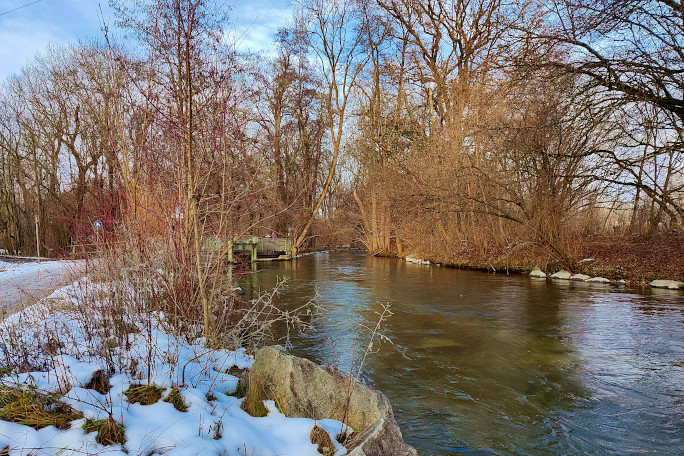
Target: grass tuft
{"x":251,"y":403}
{"x":144,"y":394}
{"x":174,"y":397}
{"x":254,"y":407}
{"x":99,"y":382}
{"x":319,"y":437}
{"x":28,"y":407}
{"x":240,"y":389}
{"x":346,"y":437}
{"x":109,"y":432}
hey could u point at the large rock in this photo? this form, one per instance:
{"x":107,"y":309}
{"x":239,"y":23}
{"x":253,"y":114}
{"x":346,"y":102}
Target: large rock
{"x":670,"y":284}
{"x":415,"y":260}
{"x":306,"y":390}
{"x":598,"y":280}
{"x":562,"y":275}
{"x":580,"y":277}
{"x":537,"y":273}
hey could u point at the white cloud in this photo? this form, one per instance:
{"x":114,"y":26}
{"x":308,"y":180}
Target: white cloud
{"x":27,"y":31}
{"x":20,"y":42}
{"x":255,"y":26}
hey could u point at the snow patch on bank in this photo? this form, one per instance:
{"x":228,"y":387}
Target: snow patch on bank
{"x":214,"y":423}
{"x":10,"y":270}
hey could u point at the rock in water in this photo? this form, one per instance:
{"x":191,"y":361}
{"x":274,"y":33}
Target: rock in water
{"x":306,"y":390}
{"x":580,"y":277}
{"x":669,"y":284}
{"x":598,"y":280}
{"x":562,"y":275}
{"x":537,"y":273}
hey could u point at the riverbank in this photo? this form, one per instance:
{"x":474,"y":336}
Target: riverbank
{"x":79,"y":378}
{"x":637,"y":260}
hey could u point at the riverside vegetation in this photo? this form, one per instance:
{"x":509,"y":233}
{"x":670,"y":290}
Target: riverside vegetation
{"x":470,"y":132}
{"x":477,"y":133}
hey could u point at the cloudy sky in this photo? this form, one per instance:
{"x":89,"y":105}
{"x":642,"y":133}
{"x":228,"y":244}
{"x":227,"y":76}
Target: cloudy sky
{"x":35,"y":24}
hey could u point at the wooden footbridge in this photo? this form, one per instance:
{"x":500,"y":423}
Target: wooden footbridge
{"x":259,"y":248}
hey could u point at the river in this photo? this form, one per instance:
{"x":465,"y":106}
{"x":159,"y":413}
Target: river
{"x":490,"y":364}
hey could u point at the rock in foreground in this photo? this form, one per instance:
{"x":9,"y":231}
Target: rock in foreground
{"x":306,"y":390}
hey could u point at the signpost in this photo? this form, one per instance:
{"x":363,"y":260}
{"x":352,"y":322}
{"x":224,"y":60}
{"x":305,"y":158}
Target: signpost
{"x":37,"y":240}
{"x":98,"y":227}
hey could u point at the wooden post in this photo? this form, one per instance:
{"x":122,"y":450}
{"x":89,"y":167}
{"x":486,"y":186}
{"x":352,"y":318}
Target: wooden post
{"x":431,"y":109}
{"x":37,"y":240}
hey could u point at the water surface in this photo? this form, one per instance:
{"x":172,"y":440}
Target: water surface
{"x":489,"y":364}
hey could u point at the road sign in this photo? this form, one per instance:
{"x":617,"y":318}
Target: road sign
{"x":97,"y":224}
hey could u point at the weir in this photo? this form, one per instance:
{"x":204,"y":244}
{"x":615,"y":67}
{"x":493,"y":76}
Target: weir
{"x":259,"y":248}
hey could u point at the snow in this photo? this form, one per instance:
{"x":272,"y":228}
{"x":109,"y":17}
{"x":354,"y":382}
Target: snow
{"x":35,"y":279}
{"x":214,"y":423}
{"x":11,"y":270}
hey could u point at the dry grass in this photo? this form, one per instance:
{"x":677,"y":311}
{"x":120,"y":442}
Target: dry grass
{"x":635,"y":258}
{"x":346,"y":437}
{"x":176,"y":399}
{"x":109,"y":432}
{"x":144,"y":394}
{"x":251,"y":403}
{"x":319,"y":437}
{"x":31,"y":408}
{"x":99,"y":382}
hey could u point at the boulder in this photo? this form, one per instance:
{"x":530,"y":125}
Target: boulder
{"x":598,"y":280}
{"x":306,"y":390}
{"x":411,"y":259}
{"x":537,"y":273}
{"x":580,"y":277}
{"x":669,"y":284}
{"x":562,"y":275}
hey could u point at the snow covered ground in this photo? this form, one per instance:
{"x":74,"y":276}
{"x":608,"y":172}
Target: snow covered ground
{"x":22,"y":281}
{"x":213,"y":424}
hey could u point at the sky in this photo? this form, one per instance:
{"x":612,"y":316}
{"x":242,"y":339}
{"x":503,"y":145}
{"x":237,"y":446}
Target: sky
{"x":29,"y":29}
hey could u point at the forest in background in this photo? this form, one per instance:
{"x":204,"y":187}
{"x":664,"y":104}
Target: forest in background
{"x":492,"y":127}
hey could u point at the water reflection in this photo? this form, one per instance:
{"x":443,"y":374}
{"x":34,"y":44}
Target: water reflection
{"x":488,"y":364}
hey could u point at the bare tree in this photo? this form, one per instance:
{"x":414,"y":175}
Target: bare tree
{"x":631,"y":50}
{"x":336,"y":36}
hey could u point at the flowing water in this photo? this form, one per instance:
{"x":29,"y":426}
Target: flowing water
{"x":489,"y":364}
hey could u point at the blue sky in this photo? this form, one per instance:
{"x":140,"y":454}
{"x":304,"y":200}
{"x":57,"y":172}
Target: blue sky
{"x":29,"y":30}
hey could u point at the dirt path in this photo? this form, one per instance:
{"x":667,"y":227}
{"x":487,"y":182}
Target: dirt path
{"x":25,"y":281}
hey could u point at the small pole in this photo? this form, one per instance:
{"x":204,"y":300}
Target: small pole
{"x":37,"y":240}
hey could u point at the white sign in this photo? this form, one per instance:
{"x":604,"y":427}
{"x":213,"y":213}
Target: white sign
{"x":97,"y":224}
